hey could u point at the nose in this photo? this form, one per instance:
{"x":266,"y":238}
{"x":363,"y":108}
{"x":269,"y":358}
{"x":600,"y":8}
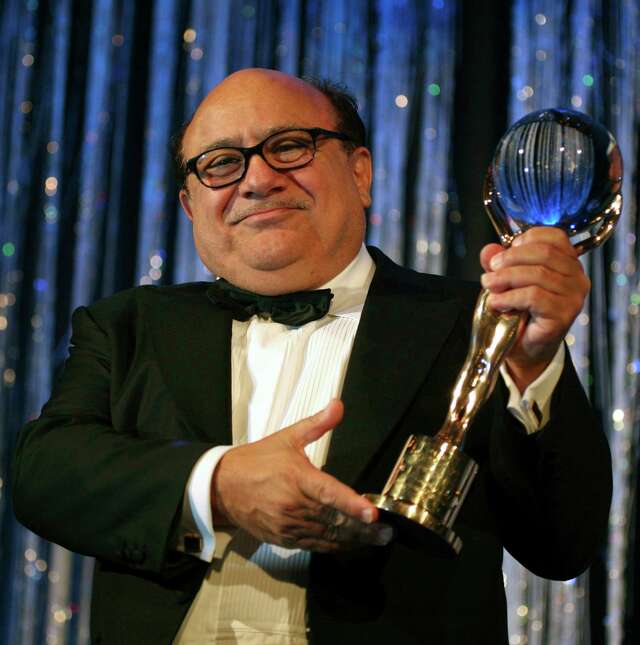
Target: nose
{"x":261,"y":179}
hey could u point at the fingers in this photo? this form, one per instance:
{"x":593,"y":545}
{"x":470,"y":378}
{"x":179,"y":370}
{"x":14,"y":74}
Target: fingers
{"x":548,"y":247}
{"x":349,"y":531}
{"x":540,"y":274}
{"x":536,"y":254}
{"x":546,"y":235}
{"x":329,"y":492}
{"x":540,"y":304}
{"x":321,"y":488}
{"x":537,"y":275}
{"x":336,"y":531}
{"x":317,"y":527}
{"x":542,"y":261}
{"x":541,"y":235}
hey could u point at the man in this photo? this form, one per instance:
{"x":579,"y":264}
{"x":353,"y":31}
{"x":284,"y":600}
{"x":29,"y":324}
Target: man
{"x":173,"y":448}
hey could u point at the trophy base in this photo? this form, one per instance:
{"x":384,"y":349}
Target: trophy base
{"x":415,"y":526}
{"x":424,"y":493}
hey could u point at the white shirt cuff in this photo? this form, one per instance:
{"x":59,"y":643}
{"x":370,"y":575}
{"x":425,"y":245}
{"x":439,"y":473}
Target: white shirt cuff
{"x":533,"y":407}
{"x":196,"y":506}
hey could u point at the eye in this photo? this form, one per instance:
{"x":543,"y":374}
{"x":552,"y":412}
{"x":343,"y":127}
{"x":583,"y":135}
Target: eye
{"x":290,"y":148}
{"x":288,"y":144}
{"x":222,"y":161}
{"x":219,"y":162}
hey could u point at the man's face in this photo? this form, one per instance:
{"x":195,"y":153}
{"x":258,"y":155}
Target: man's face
{"x":275,"y":231}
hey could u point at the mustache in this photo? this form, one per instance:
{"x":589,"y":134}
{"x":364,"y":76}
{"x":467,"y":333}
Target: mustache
{"x":266,"y":206}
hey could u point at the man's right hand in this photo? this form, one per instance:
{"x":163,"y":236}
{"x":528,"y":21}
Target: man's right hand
{"x":271,"y":489}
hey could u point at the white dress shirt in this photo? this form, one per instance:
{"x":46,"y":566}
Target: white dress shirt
{"x":255,"y":592}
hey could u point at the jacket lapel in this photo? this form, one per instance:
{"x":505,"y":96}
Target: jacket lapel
{"x":192,"y":342}
{"x":404,"y":324}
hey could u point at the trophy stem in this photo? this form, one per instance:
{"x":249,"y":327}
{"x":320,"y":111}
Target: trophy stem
{"x":492,"y":336}
{"x":432,"y":476}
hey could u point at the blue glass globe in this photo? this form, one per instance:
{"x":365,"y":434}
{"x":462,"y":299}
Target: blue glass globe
{"x":555,"y":167}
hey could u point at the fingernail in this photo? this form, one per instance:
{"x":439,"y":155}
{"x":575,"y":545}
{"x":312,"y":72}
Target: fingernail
{"x":383,"y":535}
{"x":367,"y":515}
{"x":484,"y":279}
{"x":496,"y":261}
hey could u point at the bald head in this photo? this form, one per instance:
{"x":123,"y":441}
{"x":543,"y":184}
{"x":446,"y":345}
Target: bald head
{"x":248,"y":84}
{"x":332,"y":96}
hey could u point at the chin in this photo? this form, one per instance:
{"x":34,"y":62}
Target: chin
{"x":272,"y":261}
{"x":274,"y":252}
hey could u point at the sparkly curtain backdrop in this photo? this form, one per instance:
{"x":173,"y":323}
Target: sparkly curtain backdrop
{"x":585,"y":55}
{"x":91,"y":91}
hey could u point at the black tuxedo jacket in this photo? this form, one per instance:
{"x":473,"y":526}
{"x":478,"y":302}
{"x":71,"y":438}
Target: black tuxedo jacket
{"x":146,"y":390}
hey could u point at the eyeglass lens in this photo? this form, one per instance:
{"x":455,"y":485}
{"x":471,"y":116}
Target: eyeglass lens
{"x":281,"y":150}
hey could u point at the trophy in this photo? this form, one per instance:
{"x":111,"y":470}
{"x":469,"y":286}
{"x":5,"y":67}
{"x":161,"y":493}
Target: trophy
{"x":554,"y":167}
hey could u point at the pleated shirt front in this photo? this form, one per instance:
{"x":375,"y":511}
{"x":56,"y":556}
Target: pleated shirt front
{"x":255,"y":593}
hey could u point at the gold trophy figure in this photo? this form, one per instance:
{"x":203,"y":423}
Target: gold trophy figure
{"x":554,"y":167}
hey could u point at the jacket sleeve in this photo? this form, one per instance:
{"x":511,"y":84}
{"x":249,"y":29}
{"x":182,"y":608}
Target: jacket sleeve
{"x":112,"y":493}
{"x":553,"y":488}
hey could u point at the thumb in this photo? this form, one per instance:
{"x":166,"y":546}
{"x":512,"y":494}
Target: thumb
{"x":312,"y":428}
{"x":487,"y":253}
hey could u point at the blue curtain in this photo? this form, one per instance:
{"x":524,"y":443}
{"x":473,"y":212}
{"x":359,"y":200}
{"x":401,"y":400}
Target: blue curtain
{"x":90,"y":92}
{"x":586,"y":55}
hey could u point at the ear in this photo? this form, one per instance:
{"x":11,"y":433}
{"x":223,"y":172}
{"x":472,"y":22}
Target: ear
{"x":362,"y":174}
{"x":185,"y":202}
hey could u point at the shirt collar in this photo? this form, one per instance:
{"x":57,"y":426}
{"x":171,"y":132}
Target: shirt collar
{"x":351,"y":285}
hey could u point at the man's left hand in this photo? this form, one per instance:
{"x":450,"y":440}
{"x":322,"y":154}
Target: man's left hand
{"x":540,"y":274}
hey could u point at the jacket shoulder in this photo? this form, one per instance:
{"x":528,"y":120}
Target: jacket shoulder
{"x":130,"y":301}
{"x":403,"y":279}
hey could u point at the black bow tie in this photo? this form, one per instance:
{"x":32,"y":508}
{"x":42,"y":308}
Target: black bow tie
{"x":293,"y":309}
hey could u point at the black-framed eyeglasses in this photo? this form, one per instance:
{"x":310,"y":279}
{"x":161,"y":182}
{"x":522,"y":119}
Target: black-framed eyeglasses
{"x":284,"y":150}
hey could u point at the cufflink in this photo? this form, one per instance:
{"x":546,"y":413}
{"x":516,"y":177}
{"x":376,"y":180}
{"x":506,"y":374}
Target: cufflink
{"x":192,"y":543}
